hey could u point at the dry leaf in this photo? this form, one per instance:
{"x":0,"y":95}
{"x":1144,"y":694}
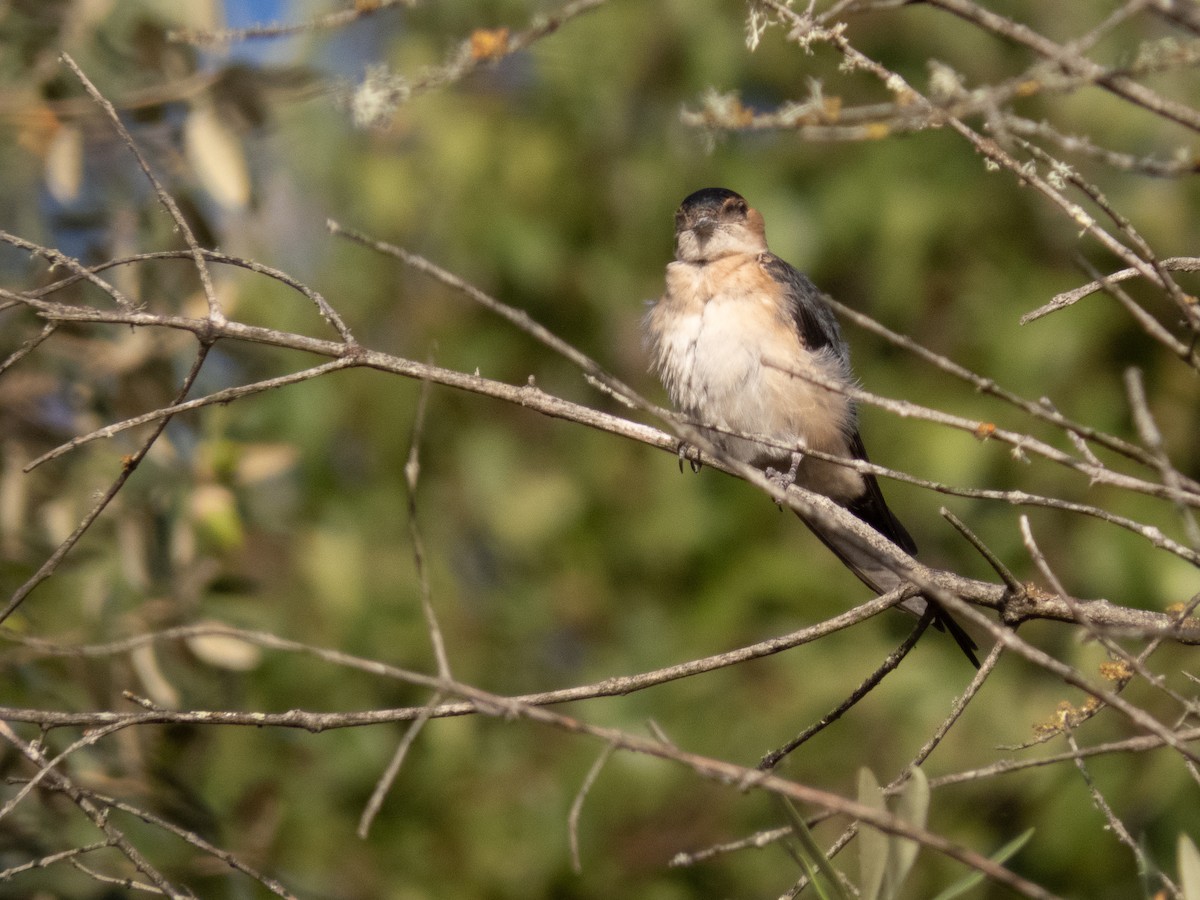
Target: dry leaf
{"x":489,"y":44}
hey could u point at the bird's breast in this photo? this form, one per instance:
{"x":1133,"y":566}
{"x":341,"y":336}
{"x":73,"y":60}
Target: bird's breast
{"x":710,"y":334}
{"x":708,"y":331}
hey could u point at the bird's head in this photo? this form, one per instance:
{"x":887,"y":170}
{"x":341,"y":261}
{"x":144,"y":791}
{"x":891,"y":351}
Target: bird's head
{"x":716,"y":222}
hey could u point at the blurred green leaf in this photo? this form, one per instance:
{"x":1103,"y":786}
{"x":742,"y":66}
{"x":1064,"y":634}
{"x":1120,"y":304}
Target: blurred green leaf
{"x":913,"y":807}
{"x":873,"y":844}
{"x":975,"y":877}
{"x":825,"y":879}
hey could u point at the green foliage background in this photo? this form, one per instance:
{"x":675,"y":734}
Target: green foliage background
{"x":559,"y":556}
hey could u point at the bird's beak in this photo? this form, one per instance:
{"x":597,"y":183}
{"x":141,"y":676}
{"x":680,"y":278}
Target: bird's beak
{"x":704,"y":226}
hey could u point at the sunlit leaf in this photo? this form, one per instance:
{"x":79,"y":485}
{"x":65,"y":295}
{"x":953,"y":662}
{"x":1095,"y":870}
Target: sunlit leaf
{"x":154,"y":683}
{"x":1189,"y":868}
{"x":224,"y":651}
{"x":64,"y":164}
{"x":214,"y":508}
{"x":216,"y":154}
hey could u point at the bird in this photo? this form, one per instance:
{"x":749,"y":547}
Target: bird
{"x":732,"y":338}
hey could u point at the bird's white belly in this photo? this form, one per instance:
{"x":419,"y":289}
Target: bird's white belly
{"x":717,"y":370}
{"x":730,"y":365}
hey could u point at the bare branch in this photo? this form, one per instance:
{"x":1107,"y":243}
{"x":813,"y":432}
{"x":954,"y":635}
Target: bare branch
{"x":219,"y":397}
{"x":186,"y":835}
{"x":772,"y":759}
{"x":168,"y":202}
{"x":992,"y":559}
{"x":1139,"y":744}
{"x":50,"y":859}
{"x":316,"y":722}
{"x":1121,"y":85}
{"x":1060,"y":301}
{"x":577,"y":805}
{"x":1152,"y":438}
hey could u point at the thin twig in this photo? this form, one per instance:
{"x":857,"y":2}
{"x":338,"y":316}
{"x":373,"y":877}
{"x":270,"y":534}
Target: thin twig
{"x":1139,"y":244}
{"x":1067,"y":298}
{"x":1139,"y":744}
{"x":992,"y":559}
{"x":957,"y":709}
{"x":384,"y":784}
{"x":1115,"y":825}
{"x":518,"y":317}
{"x":1119,"y":84}
{"x":988,"y":386}
{"x":377,"y":98}
{"x":168,"y":202}
{"x":56,"y":258}
{"x":897,"y":783}
{"x":316,"y":722}
{"x":50,"y":859}
{"x":28,"y":347}
{"x":412,"y":472}
{"x":1021,"y":443}
{"x":1084,"y":146}
{"x":1148,"y":323}
{"x":218,"y":397}
{"x":1056,"y":585}
{"x":188,"y":836}
{"x":1147,"y":428}
{"x":577,"y":805}
{"x":80,"y":272}
{"x":97,"y":816}
{"x":772,"y":759}
{"x":1007,"y":636}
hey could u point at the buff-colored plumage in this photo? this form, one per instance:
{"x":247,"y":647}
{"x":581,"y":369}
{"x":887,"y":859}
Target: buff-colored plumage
{"x":733,"y":337}
{"x":710,"y":335}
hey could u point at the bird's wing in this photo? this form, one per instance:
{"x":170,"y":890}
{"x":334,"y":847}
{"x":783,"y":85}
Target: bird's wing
{"x":812,"y":316}
{"x":818,"y":330}
{"x":873,"y":509}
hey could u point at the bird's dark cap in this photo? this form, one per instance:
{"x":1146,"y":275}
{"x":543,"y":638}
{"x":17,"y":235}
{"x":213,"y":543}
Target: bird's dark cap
{"x":709,"y":198}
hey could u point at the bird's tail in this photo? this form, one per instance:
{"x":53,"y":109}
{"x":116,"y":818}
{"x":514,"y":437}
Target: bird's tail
{"x":879,"y":578}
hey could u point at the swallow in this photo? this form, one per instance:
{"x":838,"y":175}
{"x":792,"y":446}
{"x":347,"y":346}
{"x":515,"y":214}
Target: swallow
{"x":730,"y":307}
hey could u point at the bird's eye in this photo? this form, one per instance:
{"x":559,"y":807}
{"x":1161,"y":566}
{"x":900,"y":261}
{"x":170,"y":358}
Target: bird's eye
{"x":737,"y":205}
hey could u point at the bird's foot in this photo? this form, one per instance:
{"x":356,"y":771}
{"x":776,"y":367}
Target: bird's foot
{"x":690,"y":453}
{"x":784,"y":480}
